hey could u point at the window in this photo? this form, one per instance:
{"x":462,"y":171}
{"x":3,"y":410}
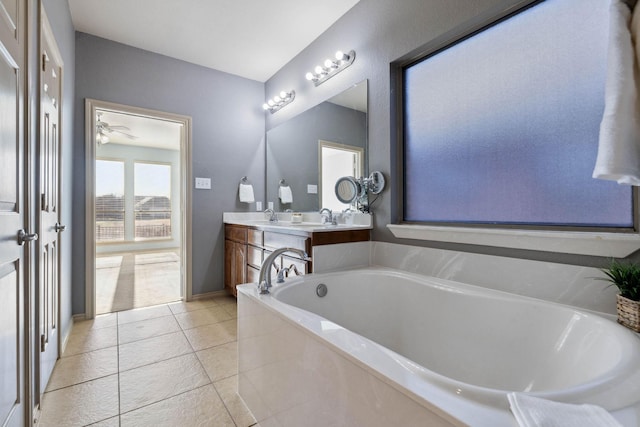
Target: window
{"x":109,"y":200}
{"x":152,"y":204}
{"x":501,"y":128}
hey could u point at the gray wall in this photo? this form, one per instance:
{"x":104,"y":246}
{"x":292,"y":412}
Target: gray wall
{"x":60,"y":20}
{"x":292,"y":150}
{"x":381,"y":31}
{"x":228,"y":139}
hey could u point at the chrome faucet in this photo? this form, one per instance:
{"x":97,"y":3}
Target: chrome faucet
{"x":264,"y":280}
{"x":328,"y":218}
{"x":273,"y":217}
{"x":285,"y":271}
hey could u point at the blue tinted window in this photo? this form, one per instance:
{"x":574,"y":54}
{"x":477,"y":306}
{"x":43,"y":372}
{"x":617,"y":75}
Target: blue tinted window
{"x":503,"y":127}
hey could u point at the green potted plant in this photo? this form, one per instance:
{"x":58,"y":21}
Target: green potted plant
{"x":626,"y":277}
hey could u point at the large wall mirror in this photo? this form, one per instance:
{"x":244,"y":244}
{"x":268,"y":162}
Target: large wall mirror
{"x":309,"y":152}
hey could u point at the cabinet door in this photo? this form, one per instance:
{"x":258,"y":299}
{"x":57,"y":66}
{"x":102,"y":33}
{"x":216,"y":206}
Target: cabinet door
{"x":240,"y":264}
{"x":229,"y":267}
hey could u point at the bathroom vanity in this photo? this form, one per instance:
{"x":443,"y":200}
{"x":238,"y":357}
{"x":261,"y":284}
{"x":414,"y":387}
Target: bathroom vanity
{"x":249,"y":238}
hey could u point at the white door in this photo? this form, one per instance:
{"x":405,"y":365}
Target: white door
{"x":13,"y":216}
{"x":49,"y":226}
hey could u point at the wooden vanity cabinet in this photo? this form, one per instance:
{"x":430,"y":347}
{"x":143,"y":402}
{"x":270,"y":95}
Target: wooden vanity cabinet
{"x":246,"y":247}
{"x":235,"y":257}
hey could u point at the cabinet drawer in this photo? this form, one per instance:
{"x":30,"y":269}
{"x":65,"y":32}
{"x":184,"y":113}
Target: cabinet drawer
{"x":237,"y":234}
{"x":278,"y":240}
{"x":301,"y":265}
{"x":254,"y":256}
{"x":255,"y":237}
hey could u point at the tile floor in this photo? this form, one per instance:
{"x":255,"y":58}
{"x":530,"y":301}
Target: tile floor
{"x":167,"y":365}
{"x":131,"y":280}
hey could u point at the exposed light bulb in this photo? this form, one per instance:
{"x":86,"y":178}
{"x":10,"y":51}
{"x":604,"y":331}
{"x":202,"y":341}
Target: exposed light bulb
{"x":319,"y":70}
{"x":330,"y":64}
{"x":271,"y":103}
{"x":265,"y":106}
{"x":277,"y":99}
{"x":341,"y":56}
{"x":284,"y":95}
{"x":309,"y":76}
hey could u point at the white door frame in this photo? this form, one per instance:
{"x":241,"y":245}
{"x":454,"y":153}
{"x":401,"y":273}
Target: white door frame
{"x":91,"y":105}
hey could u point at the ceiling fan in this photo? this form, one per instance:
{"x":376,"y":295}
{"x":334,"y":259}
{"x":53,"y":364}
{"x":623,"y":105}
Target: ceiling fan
{"x":103,"y":129}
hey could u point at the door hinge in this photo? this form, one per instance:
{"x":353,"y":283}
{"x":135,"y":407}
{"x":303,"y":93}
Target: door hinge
{"x":45,"y":59}
{"x":43,"y":201}
{"x":43,"y":343}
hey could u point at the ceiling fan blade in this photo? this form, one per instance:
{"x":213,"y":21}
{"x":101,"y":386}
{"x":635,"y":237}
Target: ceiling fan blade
{"x":118,"y":127}
{"x":128,"y":135}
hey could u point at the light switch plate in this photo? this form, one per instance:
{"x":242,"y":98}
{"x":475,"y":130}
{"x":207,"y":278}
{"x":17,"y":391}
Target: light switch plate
{"x":203,"y":183}
{"x":312,"y":189}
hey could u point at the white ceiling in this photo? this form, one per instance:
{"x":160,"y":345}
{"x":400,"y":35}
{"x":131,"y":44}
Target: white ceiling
{"x":147,"y":132}
{"x":248,"y":38}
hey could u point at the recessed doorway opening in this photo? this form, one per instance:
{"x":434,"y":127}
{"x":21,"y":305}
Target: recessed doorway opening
{"x":137,"y":216}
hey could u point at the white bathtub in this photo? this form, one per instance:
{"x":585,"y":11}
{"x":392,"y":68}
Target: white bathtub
{"x":451,"y":351}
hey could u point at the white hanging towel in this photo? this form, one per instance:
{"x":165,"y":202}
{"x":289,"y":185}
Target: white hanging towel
{"x":246,"y":193}
{"x":532,"y":411}
{"x":619,"y":145}
{"x":285,"y":194}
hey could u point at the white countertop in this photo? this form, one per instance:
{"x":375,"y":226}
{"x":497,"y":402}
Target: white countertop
{"x":311,"y":221}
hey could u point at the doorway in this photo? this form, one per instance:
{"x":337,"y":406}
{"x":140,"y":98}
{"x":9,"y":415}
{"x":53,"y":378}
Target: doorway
{"x":337,"y":160}
{"x":139,"y":207}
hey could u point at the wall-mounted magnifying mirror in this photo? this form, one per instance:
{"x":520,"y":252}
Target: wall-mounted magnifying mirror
{"x":355,"y":192}
{"x":376,"y":182}
{"x":348,"y":190}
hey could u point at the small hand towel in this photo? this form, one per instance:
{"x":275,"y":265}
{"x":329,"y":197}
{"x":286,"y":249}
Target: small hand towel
{"x":285,"y":194}
{"x":619,"y":142}
{"x":246,"y":193}
{"x":535,"y":412}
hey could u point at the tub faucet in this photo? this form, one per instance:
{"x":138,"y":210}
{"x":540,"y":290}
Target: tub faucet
{"x":264,"y":280}
{"x":327,"y":216}
{"x":273,"y":217}
{"x":285,"y":271}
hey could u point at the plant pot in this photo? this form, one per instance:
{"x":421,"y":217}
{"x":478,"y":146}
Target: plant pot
{"x":629,"y":313}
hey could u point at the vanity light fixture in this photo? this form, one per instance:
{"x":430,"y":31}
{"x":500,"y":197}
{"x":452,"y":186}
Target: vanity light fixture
{"x":331,"y":67}
{"x":279,"y":101}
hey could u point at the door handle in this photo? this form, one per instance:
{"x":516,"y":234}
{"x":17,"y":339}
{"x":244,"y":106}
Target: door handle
{"x":59,"y":227}
{"x":24,"y":237}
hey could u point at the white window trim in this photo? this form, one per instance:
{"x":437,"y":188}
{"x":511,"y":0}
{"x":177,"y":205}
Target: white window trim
{"x":618,"y":245}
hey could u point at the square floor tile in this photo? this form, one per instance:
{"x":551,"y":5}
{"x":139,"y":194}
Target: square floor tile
{"x":212,"y":335}
{"x":228,"y":390}
{"x":220,"y":361}
{"x":138,"y":314}
{"x":151,"y":350}
{"x":135,"y":331}
{"x":152,"y":383}
{"x":199,"y":407}
{"x":84,"y":367}
{"x":182,"y":307}
{"x":205,"y":316}
{"x":83,"y":341}
{"x":98,"y":322}
{"x":111,"y":422}
{"x":81,"y":404}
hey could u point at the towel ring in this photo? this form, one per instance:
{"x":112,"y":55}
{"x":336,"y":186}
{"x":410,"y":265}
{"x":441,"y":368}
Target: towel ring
{"x":283,"y":183}
{"x":244,"y":180}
